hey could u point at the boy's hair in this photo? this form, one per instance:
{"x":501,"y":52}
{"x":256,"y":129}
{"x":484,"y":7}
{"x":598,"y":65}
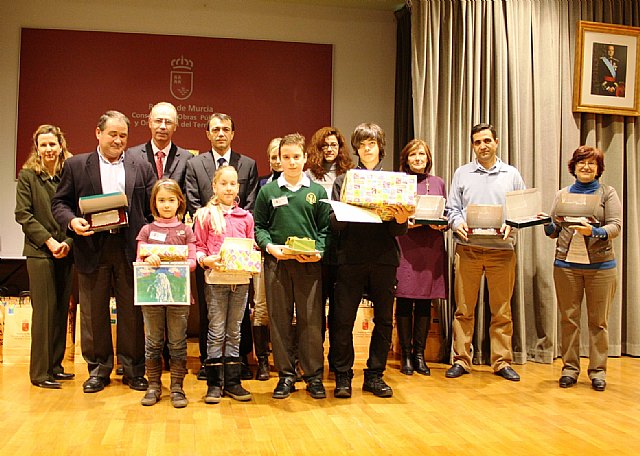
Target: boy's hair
{"x":216,"y":215}
{"x":293,"y":139}
{"x":173,"y":187}
{"x":366,"y":131}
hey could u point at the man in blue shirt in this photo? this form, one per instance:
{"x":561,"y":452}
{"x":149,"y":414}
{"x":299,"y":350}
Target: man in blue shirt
{"x":485,"y":180}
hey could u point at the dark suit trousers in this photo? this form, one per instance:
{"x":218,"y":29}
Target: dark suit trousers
{"x":289,"y":283}
{"x":95,"y":292}
{"x":353,"y":280}
{"x":50,"y":288}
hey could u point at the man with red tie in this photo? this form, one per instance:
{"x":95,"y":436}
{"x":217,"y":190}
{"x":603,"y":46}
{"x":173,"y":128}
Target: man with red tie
{"x":169,"y":160}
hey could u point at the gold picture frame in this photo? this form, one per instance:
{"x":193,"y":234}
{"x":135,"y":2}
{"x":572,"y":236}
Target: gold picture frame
{"x":607,"y":69}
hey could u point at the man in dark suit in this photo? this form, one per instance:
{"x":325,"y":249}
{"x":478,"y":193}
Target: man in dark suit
{"x":167,"y":159}
{"x":104,"y":259}
{"x":200,"y":171}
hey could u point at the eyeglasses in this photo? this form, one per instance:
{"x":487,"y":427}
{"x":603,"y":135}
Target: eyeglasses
{"x":590,"y":164}
{"x":331,"y":146}
{"x":158,"y":122}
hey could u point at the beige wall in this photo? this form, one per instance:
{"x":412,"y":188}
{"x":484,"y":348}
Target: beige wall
{"x":364,"y":56}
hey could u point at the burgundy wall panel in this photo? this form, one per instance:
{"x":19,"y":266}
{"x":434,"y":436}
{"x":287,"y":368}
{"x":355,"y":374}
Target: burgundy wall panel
{"x":270,"y":88}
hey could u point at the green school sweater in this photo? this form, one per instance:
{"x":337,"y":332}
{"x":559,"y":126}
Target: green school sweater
{"x":303,"y":215}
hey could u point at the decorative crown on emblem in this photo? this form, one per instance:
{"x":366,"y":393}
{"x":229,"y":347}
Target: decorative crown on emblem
{"x":181,"y":84}
{"x":182,"y":64}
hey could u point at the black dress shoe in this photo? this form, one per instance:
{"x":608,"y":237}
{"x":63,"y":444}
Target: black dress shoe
{"x":119,"y":370}
{"x":598,"y":384}
{"x":566,"y":381}
{"x":343,"y":385}
{"x":376,"y":385}
{"x":284,"y":388}
{"x":455,"y":371}
{"x":138,"y":383}
{"x":64,"y":376}
{"x":316,"y":389}
{"x":48,"y":384}
{"x":508,"y":374}
{"x":95,"y":384}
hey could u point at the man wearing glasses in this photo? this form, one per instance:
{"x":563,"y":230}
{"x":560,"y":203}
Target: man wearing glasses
{"x":167,"y":159}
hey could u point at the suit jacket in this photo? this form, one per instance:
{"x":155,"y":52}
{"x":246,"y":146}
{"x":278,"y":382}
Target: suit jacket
{"x":200,"y":171}
{"x":176,"y":162}
{"x":33,"y":213}
{"x":81,"y":177}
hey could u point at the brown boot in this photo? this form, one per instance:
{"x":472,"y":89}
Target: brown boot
{"x":178,"y":371}
{"x":154,"y":390}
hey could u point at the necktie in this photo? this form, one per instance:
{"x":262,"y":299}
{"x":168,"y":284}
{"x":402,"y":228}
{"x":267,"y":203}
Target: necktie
{"x":160,"y":163}
{"x":221,"y":162}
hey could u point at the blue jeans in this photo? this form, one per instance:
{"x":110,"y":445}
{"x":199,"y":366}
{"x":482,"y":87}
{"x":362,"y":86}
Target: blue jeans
{"x":175,"y":318}
{"x":225,"y":305}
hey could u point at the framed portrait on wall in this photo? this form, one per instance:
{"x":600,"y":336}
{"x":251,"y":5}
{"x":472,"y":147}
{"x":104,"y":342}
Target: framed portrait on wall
{"x":607,"y":67}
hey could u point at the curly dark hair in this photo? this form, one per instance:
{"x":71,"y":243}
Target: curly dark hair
{"x":315,"y":154}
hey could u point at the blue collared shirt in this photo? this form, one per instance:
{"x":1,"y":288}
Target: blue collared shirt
{"x":473,"y":184}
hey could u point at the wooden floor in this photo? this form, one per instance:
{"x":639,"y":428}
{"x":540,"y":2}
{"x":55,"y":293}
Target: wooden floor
{"x":475,"y":414}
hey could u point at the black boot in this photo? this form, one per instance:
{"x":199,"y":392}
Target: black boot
{"x":420,"y":332}
{"x":178,"y":369}
{"x":245,"y":371}
{"x":232,"y":385}
{"x":154,"y":374}
{"x":215,"y":373}
{"x":261,"y":344}
{"x":404,"y":335}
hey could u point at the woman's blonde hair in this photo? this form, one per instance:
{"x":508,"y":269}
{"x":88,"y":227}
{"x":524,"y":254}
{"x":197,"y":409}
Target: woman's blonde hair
{"x":35,"y":163}
{"x":216,"y":214}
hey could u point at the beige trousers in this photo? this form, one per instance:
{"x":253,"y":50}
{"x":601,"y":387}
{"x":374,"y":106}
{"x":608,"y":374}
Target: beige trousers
{"x":599,"y":286}
{"x":499,"y":269}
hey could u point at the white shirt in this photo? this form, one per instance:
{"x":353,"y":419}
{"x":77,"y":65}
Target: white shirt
{"x":303,"y":182}
{"x":112,"y":175}
{"x":226,"y":156}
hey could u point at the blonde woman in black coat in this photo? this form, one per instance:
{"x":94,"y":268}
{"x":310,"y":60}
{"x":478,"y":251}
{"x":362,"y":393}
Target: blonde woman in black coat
{"x":47,"y":247}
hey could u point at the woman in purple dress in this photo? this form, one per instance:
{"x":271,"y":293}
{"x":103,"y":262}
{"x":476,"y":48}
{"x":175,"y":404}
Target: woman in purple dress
{"x":423,"y":265}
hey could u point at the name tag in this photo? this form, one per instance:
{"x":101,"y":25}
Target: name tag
{"x":282,"y":201}
{"x":157,"y":236}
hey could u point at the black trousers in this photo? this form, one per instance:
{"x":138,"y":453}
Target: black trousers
{"x":50,"y":283}
{"x":379,"y":282}
{"x":114,"y":272}
{"x":290,"y":283}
